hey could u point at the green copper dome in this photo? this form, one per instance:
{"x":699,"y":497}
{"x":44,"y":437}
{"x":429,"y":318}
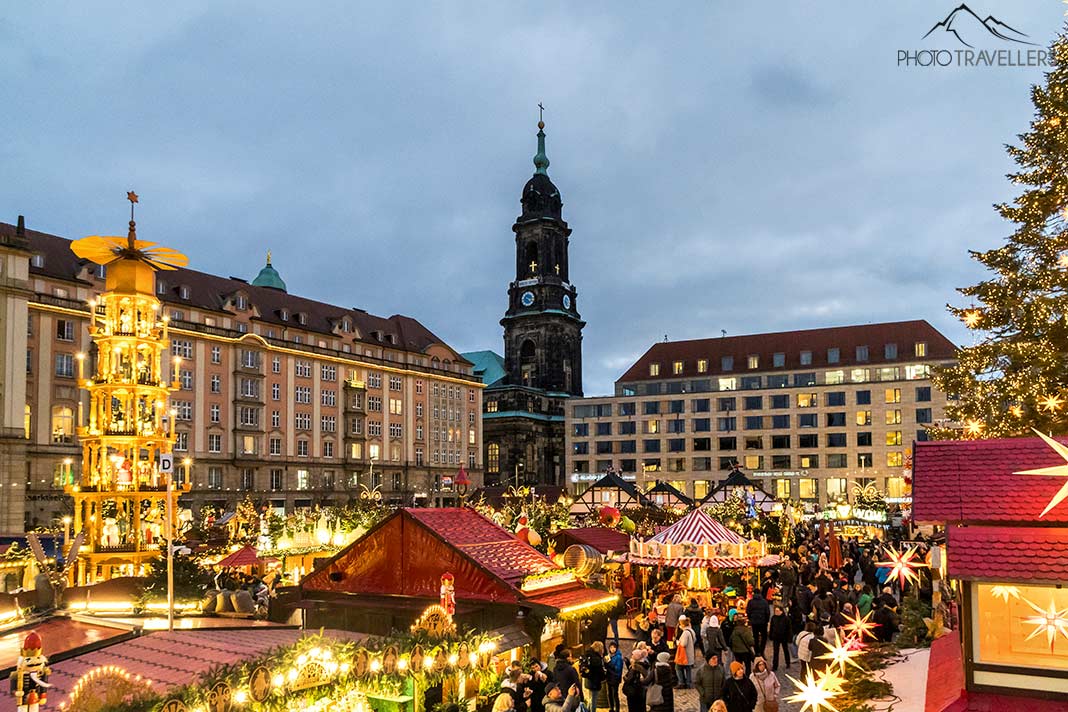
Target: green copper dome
{"x":269,"y":277}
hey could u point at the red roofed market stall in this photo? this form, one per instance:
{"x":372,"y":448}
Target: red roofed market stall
{"x":1007,"y":548}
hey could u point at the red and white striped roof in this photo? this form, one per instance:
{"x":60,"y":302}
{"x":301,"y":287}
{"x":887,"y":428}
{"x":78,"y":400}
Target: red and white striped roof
{"x":719,"y":562}
{"x":697,"y":527}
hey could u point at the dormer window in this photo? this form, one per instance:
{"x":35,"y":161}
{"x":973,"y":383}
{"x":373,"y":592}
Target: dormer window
{"x":377,"y":335}
{"x":241,"y":302}
{"x":101,"y":271}
{"x":37,"y":261}
{"x":183,"y":292}
{"x":161,"y":287}
{"x":346,"y":326}
{"x":302,"y":318}
{"x":391,"y":338}
{"x":284,"y":315}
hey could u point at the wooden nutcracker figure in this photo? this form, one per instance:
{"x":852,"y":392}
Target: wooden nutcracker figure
{"x":29,"y":681}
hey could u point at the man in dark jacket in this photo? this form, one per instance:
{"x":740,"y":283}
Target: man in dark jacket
{"x":759,"y":613}
{"x":554,"y":699}
{"x":709,"y":680}
{"x":739,"y":692}
{"x":565,"y":675}
{"x":779,"y":633}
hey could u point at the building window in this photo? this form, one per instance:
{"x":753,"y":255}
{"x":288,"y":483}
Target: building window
{"x":782,"y":488}
{"x":302,"y":395}
{"x":183,"y":410}
{"x":836,"y":487}
{"x":863,"y":397}
{"x":895,"y":486}
{"x":216,"y":354}
{"x":893,"y":395}
{"x":923,"y":394}
{"x":328,"y":423}
{"x":728,"y":384}
{"x":836,"y":440}
{"x":923,"y":415}
{"x":250,"y":359}
{"x":64,"y":330}
{"x":809,"y":462}
{"x":836,"y":398}
{"x":754,"y":462}
{"x":248,"y":445}
{"x":186,"y":380}
{"x":65,"y":365}
{"x":303,"y":368}
{"x":214,"y":411}
{"x":921,"y":349}
{"x":216,"y":383}
{"x":215,"y":478}
{"x":754,"y":422}
{"x":181,"y":441}
{"x":726,"y":363}
{"x":374,"y":404}
{"x":895,"y":459}
{"x":302,"y":448}
{"x":752,"y":361}
{"x":302,"y":421}
{"x":806,"y":358}
{"x":654,"y":369}
{"x":248,"y":479}
{"x":374,"y":428}
{"x":890,"y":351}
{"x":807,"y":400}
{"x":328,"y":448}
{"x":303,"y":480}
{"x":862,"y":354}
{"x":396,"y":430}
{"x":893,"y":417}
{"x":893,"y":437}
{"x":275,"y":445}
{"x":276,"y":480}
{"x":864,"y":439}
{"x":834,"y":378}
{"x":702,"y":365}
{"x":328,"y":372}
{"x":214,"y":442}
{"x":62,"y":424}
{"x":726,"y":425}
{"x":778,"y":360}
{"x":834,"y":355}
{"x":836,"y":420}
{"x":676,"y":368}
{"x":248,"y":416}
{"x":328,"y":398}
{"x":837,"y":461}
{"x":396,"y":406}
{"x":276,"y":364}
{"x":864,"y":459}
{"x":276,"y":391}
{"x":276,"y":419}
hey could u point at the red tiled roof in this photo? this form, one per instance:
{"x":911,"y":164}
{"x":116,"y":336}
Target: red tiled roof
{"x":602,"y":539}
{"x":905,"y":334}
{"x":245,"y":556}
{"x":494,"y":548}
{"x":1006,"y":554}
{"x":170,"y":659}
{"x":209,"y":292}
{"x":973,"y":481}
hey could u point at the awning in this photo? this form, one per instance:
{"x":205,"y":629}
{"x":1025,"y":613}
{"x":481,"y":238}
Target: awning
{"x":1017,"y":554}
{"x":714,"y":563}
{"x":245,"y":556}
{"x":573,"y":601}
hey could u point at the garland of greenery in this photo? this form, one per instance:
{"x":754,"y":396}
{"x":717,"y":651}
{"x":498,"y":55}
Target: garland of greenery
{"x":285,"y":660}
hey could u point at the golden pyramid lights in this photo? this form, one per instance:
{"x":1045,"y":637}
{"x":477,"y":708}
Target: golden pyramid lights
{"x":128,"y":434}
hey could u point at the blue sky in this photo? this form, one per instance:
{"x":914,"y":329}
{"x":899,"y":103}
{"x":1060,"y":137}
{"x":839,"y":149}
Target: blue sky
{"x":724,"y":166}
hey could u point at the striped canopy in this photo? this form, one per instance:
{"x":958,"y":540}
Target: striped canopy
{"x":697,"y":527}
{"x":719,"y":562}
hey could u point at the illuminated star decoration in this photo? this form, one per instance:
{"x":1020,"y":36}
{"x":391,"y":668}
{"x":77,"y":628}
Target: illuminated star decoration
{"x":1055,"y":471}
{"x":1062,"y":261}
{"x":842,"y":654}
{"x":1004,"y":592}
{"x":974,"y":427}
{"x":902,"y":564}
{"x":1016,"y":411}
{"x":829,"y":679}
{"x":1052,"y":403}
{"x":814,"y":695}
{"x":131,"y":196}
{"x":972,"y":317}
{"x":860,"y":627}
{"x":1050,"y":621}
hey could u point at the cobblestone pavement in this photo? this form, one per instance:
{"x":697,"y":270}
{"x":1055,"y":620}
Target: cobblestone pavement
{"x":686,"y":700}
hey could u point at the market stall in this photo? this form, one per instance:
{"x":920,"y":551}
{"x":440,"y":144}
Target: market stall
{"x":664,"y":495}
{"x":698,"y":544}
{"x":610,"y":490}
{"x":756,"y":498}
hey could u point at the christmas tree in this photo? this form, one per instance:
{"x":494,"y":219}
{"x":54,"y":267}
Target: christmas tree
{"x":1015,"y":376}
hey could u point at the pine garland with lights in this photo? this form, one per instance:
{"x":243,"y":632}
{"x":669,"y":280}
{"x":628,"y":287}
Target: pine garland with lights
{"x":1015,"y":377}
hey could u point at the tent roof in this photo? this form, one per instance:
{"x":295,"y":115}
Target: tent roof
{"x":697,"y":527}
{"x":245,"y":556}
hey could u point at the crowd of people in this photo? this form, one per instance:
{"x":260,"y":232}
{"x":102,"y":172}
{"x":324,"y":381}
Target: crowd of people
{"x":721,"y":651}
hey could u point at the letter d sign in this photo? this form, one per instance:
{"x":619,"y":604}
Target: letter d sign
{"x":166,"y":463}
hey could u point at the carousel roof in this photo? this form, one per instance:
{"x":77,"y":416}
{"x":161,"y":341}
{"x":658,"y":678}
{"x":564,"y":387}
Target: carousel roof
{"x":697,"y":527}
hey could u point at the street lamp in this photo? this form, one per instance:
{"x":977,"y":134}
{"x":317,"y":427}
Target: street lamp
{"x":518,"y":467}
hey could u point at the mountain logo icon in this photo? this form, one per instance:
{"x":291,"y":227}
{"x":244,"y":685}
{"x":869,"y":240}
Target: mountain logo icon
{"x":965,"y":25}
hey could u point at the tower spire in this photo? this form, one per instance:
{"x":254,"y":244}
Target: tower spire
{"x":541,"y":161}
{"x":131,"y":236}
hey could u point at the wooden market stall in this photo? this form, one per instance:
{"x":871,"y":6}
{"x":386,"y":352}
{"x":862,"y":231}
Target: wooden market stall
{"x":408,"y":560}
{"x":665,"y":496}
{"x":738,"y":485}
{"x":609,"y":491}
{"x":1007,"y":550}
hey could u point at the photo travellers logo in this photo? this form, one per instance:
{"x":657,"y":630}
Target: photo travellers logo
{"x":972,"y":41}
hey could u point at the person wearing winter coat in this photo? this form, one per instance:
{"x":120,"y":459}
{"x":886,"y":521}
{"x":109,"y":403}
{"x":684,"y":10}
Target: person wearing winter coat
{"x":739,"y":692}
{"x":742,"y":643}
{"x":759,"y":613}
{"x":593,"y":673}
{"x":709,"y":681}
{"x":671,"y":617}
{"x":661,"y":675}
{"x":633,"y":687}
{"x":613,"y":668}
{"x":865,"y":600}
{"x":714,"y":640}
{"x":554,"y":700}
{"x":685,"y":645}
{"x":788,"y":579}
{"x":804,"y":647}
{"x":885,"y":621}
{"x":565,"y":675}
{"x":767,"y":687}
{"x":779,"y":634}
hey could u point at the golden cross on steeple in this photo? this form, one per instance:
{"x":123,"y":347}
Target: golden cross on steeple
{"x":533,"y":266}
{"x":558,"y":269}
{"x":541,"y":112}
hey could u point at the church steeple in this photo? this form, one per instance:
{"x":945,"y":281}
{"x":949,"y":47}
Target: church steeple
{"x":542,"y":327}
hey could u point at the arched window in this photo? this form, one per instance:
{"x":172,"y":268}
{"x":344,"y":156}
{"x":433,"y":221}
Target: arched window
{"x":62,"y":424}
{"x":527,"y":370}
{"x":493,"y":457}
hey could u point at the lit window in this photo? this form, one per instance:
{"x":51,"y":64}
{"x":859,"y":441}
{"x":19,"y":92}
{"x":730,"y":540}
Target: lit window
{"x":702,"y":365}
{"x":895,"y":486}
{"x":753,"y":361}
{"x":833,"y":378}
{"x":895,"y":459}
{"x":676,"y":368}
{"x":836,"y":487}
{"x":728,"y":384}
{"x":654,"y":369}
{"x":782,"y":488}
{"x":893,"y":417}
{"x":807,"y":400}
{"x":893,"y":437}
{"x":921,"y":349}
{"x":893,"y":395}
{"x":863,"y":417}
{"x":808,"y":488}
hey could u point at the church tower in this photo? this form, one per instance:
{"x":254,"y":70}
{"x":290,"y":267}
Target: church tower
{"x":542,"y":327}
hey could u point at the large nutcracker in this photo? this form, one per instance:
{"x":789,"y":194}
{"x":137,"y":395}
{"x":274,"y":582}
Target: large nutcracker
{"x":29,"y":681}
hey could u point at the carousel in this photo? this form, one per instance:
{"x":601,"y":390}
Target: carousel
{"x":696,"y":545}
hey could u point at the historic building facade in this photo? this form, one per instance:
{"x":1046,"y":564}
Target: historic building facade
{"x":523,"y":418}
{"x":809,"y":413}
{"x":285,"y":399}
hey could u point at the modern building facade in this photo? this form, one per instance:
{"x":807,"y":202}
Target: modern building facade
{"x":809,"y":413}
{"x":282,"y":398}
{"x":523,"y":417}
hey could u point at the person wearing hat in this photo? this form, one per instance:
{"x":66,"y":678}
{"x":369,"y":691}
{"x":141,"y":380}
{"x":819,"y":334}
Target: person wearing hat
{"x":709,"y":680}
{"x":554,"y":699}
{"x":767,"y":687}
{"x":662,"y":677}
{"x":739,"y":693}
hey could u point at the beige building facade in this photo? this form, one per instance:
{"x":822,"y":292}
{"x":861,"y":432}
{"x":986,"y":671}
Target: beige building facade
{"x":292,"y":402}
{"x":810,"y":414}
